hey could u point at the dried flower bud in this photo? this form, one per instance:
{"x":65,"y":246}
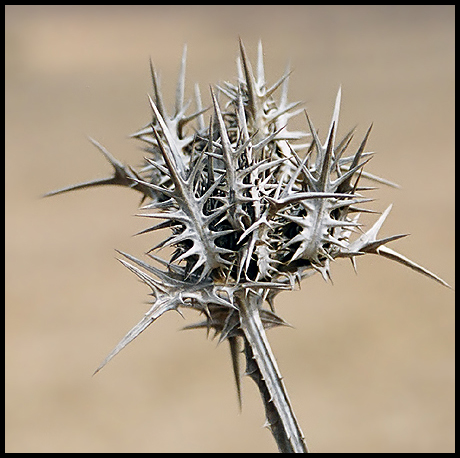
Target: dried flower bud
{"x":249,"y":214}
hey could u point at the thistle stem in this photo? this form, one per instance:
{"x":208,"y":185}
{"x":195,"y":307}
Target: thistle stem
{"x":263,"y":369}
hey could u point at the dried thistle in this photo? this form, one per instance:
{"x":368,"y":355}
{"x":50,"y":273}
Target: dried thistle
{"x":249,"y":217}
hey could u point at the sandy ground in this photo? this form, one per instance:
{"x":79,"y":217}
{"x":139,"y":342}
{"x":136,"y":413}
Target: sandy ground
{"x":369,"y":364}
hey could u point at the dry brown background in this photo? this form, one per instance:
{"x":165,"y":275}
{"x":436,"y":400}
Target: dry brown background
{"x":370,"y":363}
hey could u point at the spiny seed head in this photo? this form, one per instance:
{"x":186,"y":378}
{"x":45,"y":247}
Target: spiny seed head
{"x":252,"y":207}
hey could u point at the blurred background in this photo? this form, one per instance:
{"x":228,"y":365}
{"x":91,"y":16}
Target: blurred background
{"x":369,"y":365}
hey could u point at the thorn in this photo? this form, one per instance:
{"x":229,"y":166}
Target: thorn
{"x":353,"y":263}
{"x":235,"y":350}
{"x":180,"y":89}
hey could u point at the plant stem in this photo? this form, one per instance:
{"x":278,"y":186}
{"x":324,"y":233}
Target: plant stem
{"x":262,"y":368}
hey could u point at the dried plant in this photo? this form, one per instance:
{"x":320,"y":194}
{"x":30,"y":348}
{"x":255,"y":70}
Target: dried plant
{"x":249,"y":216}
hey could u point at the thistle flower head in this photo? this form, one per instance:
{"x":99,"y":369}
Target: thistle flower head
{"x":252,"y":207}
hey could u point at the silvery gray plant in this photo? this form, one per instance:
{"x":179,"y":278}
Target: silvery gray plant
{"x":252,"y":209}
